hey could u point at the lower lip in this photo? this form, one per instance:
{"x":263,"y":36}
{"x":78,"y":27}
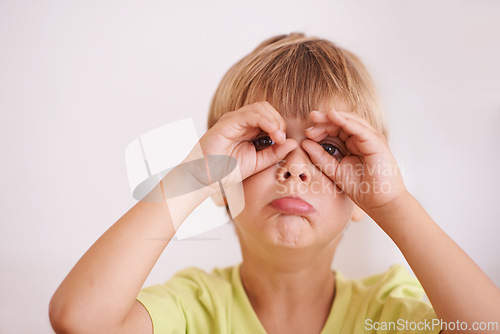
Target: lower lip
{"x":292,"y":206}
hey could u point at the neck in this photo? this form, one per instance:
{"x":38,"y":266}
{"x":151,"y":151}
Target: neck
{"x":288,"y":282}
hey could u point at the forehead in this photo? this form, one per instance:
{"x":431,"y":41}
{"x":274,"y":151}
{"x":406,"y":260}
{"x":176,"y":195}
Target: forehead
{"x":295,"y":127}
{"x":297,"y":124}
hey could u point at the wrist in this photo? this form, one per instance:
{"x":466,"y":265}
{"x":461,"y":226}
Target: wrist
{"x":392,"y":210}
{"x":188,"y":178}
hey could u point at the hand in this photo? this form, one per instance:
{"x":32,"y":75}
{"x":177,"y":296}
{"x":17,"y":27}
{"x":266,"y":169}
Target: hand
{"x":368,"y":174}
{"x":233,"y":135}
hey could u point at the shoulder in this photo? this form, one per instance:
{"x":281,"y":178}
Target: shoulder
{"x":218,"y":277}
{"x":194,"y":285}
{"x":191,"y":298}
{"x":195,"y":280}
{"x":389,"y":296}
{"x":396,"y":281}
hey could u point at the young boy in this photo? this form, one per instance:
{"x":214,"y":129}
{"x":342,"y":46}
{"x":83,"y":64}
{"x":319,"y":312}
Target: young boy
{"x":300,"y":118}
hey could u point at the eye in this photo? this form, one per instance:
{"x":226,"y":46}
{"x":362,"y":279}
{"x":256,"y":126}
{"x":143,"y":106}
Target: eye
{"x":262,"y":142}
{"x":333,"y":150}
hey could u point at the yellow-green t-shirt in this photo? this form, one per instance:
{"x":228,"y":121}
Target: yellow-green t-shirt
{"x":194,"y":301}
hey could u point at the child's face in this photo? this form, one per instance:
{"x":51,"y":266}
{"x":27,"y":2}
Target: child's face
{"x":261,"y":224}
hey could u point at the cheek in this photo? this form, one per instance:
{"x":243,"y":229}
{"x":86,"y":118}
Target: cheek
{"x":254,"y":187}
{"x":260,"y":183}
{"x":338,"y":205}
{"x":333,"y":203}
{"x":249,"y":188}
{"x":322,"y":185}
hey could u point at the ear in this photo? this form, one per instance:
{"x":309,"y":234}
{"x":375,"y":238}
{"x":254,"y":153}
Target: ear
{"x":357,"y":214}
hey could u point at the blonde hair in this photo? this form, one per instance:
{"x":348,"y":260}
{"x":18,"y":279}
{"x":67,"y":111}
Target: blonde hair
{"x":296,"y":74}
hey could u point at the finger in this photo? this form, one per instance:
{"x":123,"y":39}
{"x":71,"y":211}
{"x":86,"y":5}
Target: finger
{"x":361,"y":149}
{"x":326,"y":117}
{"x":245,"y":123}
{"x":266,"y":110}
{"x":368,"y":128}
{"x":349,"y":126}
{"x":356,"y":117}
{"x":327,"y":164}
{"x":322,"y":117}
{"x":273,"y":154}
{"x":366,"y":123}
{"x":359,"y":139}
{"x":259,"y":109}
{"x":320,"y":130}
{"x":271,"y":126}
{"x":318,"y":116}
{"x":270,"y":109}
{"x":323,"y":124}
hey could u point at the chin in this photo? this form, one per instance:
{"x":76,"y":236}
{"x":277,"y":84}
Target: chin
{"x":292,"y":231}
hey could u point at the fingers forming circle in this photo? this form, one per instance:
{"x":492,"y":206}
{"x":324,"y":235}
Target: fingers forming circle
{"x":275,"y":113}
{"x":265,"y":110}
{"x":356,"y":133}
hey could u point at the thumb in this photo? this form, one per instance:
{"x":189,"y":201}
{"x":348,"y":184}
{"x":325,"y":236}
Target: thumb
{"x":273,"y":154}
{"x":322,"y":160}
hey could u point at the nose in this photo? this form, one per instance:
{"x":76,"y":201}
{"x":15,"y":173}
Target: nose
{"x":295,"y":167}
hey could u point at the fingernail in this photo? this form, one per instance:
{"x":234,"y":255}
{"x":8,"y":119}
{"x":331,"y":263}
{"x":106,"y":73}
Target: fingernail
{"x":315,"y":112}
{"x":309,"y":128}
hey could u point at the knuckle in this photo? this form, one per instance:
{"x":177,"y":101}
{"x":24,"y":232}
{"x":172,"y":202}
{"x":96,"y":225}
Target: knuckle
{"x":224,"y":117}
{"x":266,"y":105}
{"x":250,"y":108}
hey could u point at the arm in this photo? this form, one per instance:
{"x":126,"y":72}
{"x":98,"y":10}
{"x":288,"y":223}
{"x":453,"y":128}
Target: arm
{"x":457,"y":288}
{"x":99,"y":294}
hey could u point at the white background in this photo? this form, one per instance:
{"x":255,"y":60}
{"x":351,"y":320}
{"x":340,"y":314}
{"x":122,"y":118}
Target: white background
{"x":81,"y":80}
